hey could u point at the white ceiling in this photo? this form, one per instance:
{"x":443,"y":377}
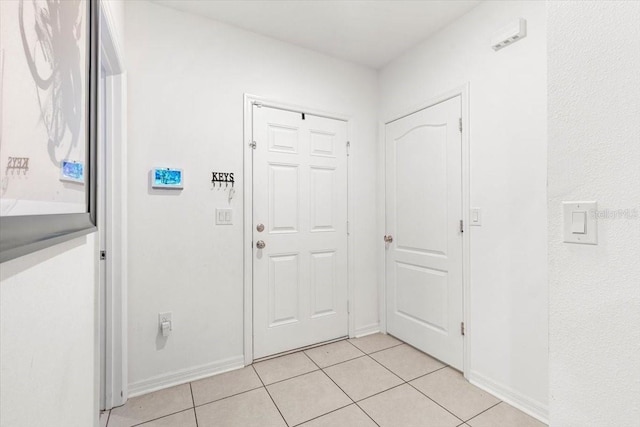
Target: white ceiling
{"x":370,"y":32}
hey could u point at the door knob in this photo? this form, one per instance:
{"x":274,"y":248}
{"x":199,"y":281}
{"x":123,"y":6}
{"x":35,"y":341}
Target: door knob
{"x":260,"y":244}
{"x":388,"y":239}
{"x":260,"y":228}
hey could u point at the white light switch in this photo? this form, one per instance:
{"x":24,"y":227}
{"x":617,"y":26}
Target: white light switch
{"x":476,"y":216}
{"x":224,"y":216}
{"x":580,"y":223}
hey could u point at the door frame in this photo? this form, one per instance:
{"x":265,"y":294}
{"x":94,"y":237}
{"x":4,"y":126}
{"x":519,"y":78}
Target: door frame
{"x":463,"y":92}
{"x":249,"y":102}
{"x":111,"y":346}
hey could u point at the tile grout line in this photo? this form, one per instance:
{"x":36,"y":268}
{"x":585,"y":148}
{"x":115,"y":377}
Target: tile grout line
{"x":352,"y":400}
{"x":228,"y":397}
{"x":195,"y":415}
{"x":337,"y":363}
{"x":345,"y":393}
{"x":421,"y":376}
{"x":289,"y":378}
{"x":376,"y":351}
{"x":386,"y":348}
{"x":393,"y":373}
{"x":322,"y":415}
{"x":159,"y":418}
{"x":364,"y":354}
{"x":412,"y":386}
{"x":416,"y":389}
{"x":270,"y":397}
{"x":479,"y":413}
{"x":429,"y":373}
{"x":380,"y":392}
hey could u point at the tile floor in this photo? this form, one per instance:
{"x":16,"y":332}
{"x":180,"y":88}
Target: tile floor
{"x":365,"y":382}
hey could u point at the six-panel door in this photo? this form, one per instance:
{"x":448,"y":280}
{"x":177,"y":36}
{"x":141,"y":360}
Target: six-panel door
{"x":300,"y":197}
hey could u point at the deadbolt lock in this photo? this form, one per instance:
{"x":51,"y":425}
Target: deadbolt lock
{"x":260,"y":228}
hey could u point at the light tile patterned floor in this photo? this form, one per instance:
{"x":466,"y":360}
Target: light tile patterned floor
{"x":365,"y":382}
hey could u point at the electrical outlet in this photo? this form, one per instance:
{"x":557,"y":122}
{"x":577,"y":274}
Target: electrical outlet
{"x":165,"y":317}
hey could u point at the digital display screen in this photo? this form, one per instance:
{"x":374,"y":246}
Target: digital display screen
{"x":166,"y":178}
{"x":72,"y":171}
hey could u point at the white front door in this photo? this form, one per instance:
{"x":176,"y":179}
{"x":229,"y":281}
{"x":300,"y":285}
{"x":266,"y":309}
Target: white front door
{"x":299,"y":230}
{"x":423,"y":214}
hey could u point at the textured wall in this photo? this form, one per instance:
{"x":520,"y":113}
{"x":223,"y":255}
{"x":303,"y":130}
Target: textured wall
{"x":594,"y":154}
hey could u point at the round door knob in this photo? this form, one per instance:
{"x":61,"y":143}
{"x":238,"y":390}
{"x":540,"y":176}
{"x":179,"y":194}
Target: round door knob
{"x":260,"y":244}
{"x":388,"y":239}
{"x":260,"y":228}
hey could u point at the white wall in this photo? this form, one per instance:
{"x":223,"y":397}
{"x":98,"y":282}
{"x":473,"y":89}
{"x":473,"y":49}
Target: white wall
{"x":47,"y":336}
{"x":594,"y":154}
{"x":186,"y":79}
{"x":508,"y":318}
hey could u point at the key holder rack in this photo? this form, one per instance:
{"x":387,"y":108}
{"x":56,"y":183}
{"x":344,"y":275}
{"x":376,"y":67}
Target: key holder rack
{"x":17,"y":164}
{"x":220,"y":178}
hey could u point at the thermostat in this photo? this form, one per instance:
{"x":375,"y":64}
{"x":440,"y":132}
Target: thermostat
{"x":167,"y":178}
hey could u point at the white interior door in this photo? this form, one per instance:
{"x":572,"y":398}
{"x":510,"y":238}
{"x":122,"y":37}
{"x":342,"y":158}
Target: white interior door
{"x":423,"y":217}
{"x":300,"y":216}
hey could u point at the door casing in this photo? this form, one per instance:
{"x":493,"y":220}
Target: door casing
{"x":111,"y":293}
{"x":249,"y":102}
{"x":463,"y":92}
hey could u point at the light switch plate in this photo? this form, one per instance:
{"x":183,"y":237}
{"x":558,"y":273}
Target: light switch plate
{"x":476,"y":216}
{"x":580,"y":223}
{"x":224,"y":216}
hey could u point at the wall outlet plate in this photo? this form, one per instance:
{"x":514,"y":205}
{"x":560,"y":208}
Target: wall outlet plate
{"x":165,"y":317}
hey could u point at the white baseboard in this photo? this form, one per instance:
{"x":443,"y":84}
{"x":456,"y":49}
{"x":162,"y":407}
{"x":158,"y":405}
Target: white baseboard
{"x":183,"y":376}
{"x":373,"y":328}
{"x":516,"y":399}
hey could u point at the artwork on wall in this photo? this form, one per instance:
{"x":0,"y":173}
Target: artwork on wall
{"x":48,"y":88}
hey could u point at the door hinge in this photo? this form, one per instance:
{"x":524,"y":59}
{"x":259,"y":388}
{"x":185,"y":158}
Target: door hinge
{"x":348,"y":308}
{"x":461,"y":226}
{"x":347,"y":228}
{"x":103,"y":255}
{"x":348,"y":147}
{"x":461,"y":328}
{"x":460,"y":124}
{"x":253,"y":144}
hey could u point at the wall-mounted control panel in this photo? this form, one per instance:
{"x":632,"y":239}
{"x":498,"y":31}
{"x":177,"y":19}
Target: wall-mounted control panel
{"x":167,"y":178}
{"x":580,"y":222}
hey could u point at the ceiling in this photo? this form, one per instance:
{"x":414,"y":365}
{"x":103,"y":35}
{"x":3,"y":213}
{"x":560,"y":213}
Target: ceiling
{"x":370,"y":32}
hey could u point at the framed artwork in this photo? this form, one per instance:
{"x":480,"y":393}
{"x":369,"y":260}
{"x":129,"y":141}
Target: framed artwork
{"x":48,"y":122}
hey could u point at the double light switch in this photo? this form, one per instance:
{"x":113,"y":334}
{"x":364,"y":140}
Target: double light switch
{"x":224,"y":216}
